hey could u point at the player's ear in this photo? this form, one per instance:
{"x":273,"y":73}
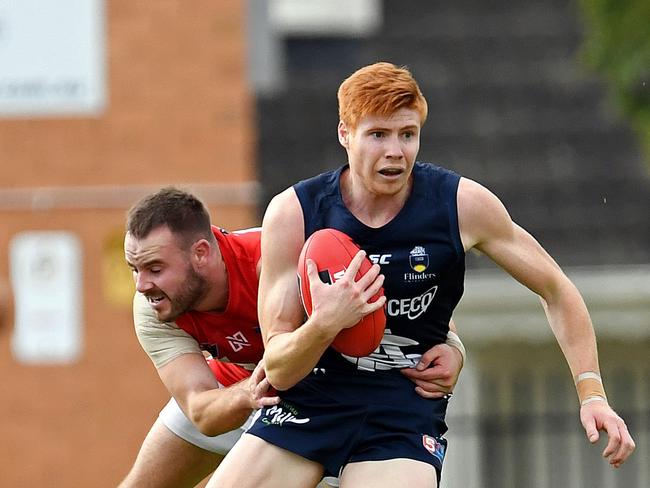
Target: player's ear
{"x":201,"y":252}
{"x":344,"y":134}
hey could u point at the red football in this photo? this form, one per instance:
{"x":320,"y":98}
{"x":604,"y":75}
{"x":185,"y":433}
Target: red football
{"x":332,"y":251}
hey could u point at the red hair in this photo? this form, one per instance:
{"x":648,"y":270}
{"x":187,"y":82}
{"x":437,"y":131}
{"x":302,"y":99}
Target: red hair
{"x":379,"y":89}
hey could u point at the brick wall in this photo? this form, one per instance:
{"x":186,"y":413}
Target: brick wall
{"x":178,"y":111}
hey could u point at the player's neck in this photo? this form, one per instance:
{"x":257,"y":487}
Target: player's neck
{"x":216,"y":298}
{"x":374,"y":210}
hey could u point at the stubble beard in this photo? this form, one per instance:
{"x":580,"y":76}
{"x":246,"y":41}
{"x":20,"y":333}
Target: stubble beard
{"x":195,"y":288}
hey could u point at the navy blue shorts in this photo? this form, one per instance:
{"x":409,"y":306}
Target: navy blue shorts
{"x":337,"y":418}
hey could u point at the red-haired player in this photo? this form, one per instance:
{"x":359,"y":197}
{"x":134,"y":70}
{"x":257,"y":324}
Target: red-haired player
{"x":360,"y":418}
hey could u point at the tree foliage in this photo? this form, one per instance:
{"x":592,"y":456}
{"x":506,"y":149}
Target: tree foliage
{"x":617,"y":45}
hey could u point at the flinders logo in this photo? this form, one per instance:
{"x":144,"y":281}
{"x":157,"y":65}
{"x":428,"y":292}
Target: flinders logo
{"x":419,"y":259}
{"x":419,"y":262}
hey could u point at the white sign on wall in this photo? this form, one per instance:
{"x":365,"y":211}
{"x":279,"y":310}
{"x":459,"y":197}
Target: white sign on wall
{"x":332,"y":17}
{"x":46,"y":277}
{"x":52,"y":57}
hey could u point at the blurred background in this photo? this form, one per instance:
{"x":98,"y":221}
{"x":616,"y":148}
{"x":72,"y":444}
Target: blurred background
{"x":546,"y":102}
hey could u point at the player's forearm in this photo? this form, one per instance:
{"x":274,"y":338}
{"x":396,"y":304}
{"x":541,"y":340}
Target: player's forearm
{"x":290,"y":356}
{"x":220,"y":410}
{"x":569,"y":319}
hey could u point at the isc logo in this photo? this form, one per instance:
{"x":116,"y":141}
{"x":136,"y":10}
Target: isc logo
{"x":380,"y":258}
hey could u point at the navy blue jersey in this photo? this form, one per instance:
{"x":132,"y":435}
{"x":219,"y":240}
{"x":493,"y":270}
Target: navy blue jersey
{"x":420,"y":254}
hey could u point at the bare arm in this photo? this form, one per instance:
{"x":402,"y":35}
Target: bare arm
{"x":187,"y":376}
{"x":211,"y":408}
{"x":292,"y":348}
{"x":485,"y":225}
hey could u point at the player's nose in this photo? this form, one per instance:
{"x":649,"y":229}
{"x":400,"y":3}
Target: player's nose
{"x":394,"y":148}
{"x":142,"y":283}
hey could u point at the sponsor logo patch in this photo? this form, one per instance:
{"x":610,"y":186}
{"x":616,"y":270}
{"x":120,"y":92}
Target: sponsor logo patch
{"x":435,"y":447}
{"x":411,"y":307}
{"x":238,"y":341}
{"x":380,"y":258}
{"x":418,"y":259}
{"x":388,"y":355}
{"x":281,"y":414}
{"x":419,"y":262}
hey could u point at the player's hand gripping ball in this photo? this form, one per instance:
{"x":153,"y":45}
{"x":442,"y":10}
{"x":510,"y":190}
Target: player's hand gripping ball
{"x":332,"y":251}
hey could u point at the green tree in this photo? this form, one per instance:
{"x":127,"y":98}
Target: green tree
{"x":617,"y":45}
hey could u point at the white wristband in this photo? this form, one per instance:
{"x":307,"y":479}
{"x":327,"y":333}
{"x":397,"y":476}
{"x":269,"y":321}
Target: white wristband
{"x":595,"y":398}
{"x":588,"y":375}
{"x":454,"y":341}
